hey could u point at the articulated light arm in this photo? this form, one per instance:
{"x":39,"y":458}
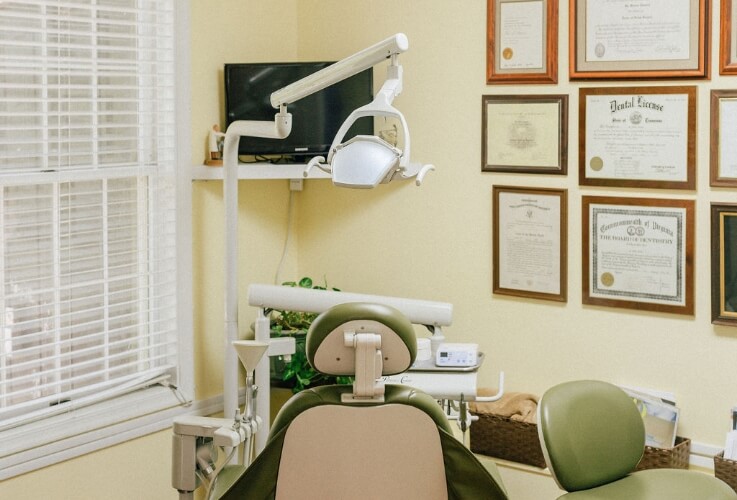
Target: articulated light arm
{"x":380,"y":106}
{"x":339,"y":71}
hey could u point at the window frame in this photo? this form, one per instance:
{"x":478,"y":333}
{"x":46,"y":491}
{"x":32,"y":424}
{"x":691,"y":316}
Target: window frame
{"x":99,"y":425}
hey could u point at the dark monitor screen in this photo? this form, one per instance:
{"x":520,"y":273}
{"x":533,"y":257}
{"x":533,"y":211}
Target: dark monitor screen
{"x":315,"y":118}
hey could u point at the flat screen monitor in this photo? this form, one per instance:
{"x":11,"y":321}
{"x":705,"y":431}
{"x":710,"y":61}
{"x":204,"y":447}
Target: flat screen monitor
{"x":315,"y":118}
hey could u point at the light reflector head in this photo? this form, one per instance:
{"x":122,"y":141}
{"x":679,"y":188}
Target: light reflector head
{"x":364,"y":161}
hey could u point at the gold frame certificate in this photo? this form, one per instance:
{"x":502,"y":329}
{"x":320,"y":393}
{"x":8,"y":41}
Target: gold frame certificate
{"x":524,"y":134}
{"x":638,"y":253}
{"x":522,"y":41}
{"x":530,"y":235}
{"x":638,"y":137}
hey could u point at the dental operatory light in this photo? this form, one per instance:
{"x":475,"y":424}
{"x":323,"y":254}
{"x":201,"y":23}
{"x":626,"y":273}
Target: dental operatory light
{"x":365,"y":160}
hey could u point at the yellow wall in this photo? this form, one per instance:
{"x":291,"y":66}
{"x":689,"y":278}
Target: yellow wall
{"x":432,"y":242}
{"x":140,"y":469}
{"x":435,"y":242}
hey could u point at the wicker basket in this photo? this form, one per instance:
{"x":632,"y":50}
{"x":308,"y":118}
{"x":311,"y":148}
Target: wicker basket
{"x":666,"y":458}
{"x":726,"y":470}
{"x":502,"y":437}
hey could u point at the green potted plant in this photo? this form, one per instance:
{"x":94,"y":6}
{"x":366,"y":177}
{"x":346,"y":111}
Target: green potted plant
{"x":297,"y":374}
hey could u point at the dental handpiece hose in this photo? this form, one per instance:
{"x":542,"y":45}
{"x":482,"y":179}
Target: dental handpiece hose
{"x":249,"y":420}
{"x":250,"y":398}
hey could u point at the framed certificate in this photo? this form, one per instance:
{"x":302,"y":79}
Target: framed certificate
{"x":637,"y":137}
{"x":638,"y":253}
{"x":522,"y":41}
{"x":525,"y":134}
{"x":728,"y":38}
{"x":724,"y":264}
{"x":530,"y":241}
{"x":723,"y":147}
{"x":639,"y":39}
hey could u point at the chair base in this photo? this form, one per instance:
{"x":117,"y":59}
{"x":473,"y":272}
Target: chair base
{"x":659,"y":484}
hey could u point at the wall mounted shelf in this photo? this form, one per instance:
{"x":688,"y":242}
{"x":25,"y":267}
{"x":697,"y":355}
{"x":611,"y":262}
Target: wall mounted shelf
{"x":258,"y":171}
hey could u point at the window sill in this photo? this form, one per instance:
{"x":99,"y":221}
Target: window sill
{"x":62,"y":437}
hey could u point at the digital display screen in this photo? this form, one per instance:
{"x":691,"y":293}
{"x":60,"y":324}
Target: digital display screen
{"x":315,"y":118}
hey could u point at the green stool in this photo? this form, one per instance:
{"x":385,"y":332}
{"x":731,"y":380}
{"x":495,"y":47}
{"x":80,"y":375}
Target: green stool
{"x":592,"y":436}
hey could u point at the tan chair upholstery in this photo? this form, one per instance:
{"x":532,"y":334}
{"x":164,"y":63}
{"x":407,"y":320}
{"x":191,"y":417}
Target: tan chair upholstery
{"x":400,"y":447}
{"x":592,"y":436}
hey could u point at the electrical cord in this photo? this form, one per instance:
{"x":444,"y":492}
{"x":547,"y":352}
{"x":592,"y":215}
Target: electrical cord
{"x":285,"y":250}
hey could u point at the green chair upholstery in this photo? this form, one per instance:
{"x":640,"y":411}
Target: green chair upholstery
{"x":592,"y":437}
{"x":320,"y":447}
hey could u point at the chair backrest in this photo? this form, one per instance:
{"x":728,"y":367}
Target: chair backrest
{"x":376,"y":447}
{"x":366,"y":441}
{"x":591,"y":433}
{"x":391,"y":450}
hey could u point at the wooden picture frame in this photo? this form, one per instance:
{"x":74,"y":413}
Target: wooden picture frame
{"x":524,"y":134}
{"x":723,"y":153}
{"x":724,"y":264}
{"x":522,"y":41}
{"x":642,"y":137}
{"x":530,"y":240}
{"x":638,"y":253}
{"x":639,"y":40}
{"x":728,"y":38}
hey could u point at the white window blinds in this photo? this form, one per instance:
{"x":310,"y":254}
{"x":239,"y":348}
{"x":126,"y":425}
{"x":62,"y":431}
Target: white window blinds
{"x":87,"y":202}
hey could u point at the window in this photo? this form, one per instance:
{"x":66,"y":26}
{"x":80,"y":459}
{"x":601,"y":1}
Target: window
{"x":90,"y":208}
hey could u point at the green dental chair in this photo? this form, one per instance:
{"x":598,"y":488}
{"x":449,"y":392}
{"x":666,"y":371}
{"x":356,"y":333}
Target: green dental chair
{"x":366,"y":441}
{"x":592,"y":437}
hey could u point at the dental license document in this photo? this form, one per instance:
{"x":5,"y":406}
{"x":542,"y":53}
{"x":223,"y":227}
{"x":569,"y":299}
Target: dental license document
{"x":529,"y":242}
{"x":521,"y":35}
{"x":637,"y":30}
{"x":637,"y":137}
{"x":637,"y":253}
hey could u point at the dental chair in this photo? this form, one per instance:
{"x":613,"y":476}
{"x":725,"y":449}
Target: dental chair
{"x":593,"y":436}
{"x":365,"y":441}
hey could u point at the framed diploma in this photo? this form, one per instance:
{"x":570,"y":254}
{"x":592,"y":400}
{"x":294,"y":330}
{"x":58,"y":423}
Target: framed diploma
{"x":530,"y":240}
{"x":723,"y":147}
{"x":638,"y":253}
{"x":637,"y":137}
{"x":522,"y":41}
{"x":724,"y":264}
{"x":525,"y":134}
{"x":639,"y":39}
{"x":728,"y":38}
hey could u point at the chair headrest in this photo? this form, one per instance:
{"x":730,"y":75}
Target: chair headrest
{"x":325,"y":345}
